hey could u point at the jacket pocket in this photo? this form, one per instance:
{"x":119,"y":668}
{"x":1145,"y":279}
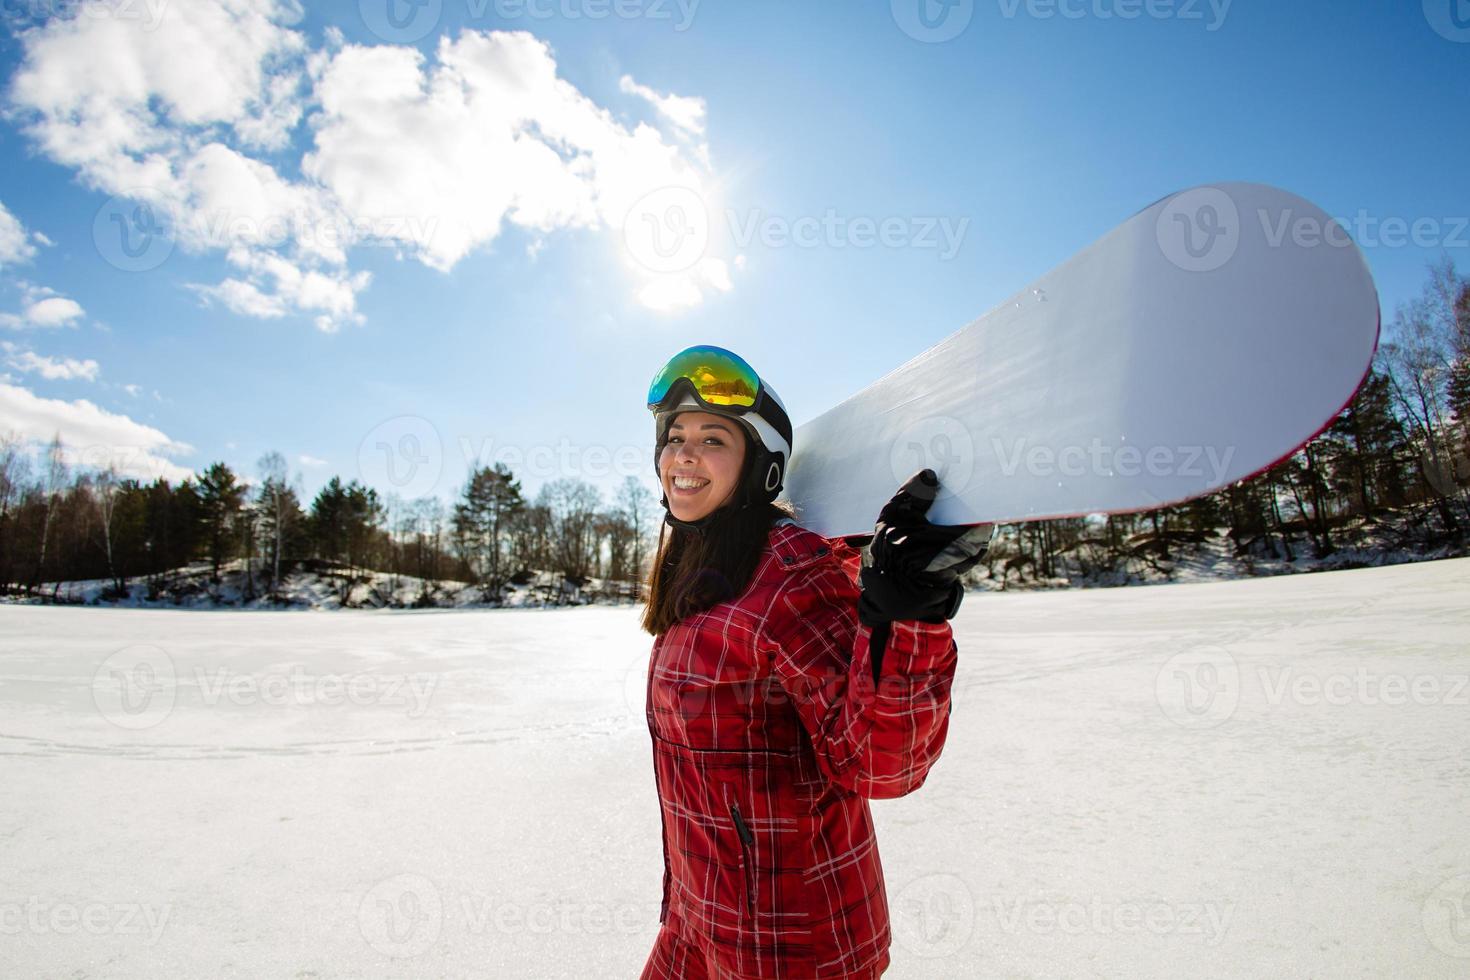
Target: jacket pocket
{"x":747,"y":842}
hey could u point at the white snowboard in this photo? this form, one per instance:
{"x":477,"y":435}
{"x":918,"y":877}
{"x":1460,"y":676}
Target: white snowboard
{"x":1204,"y":340}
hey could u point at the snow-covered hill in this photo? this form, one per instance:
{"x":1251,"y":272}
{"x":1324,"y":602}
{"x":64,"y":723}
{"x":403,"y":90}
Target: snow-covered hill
{"x":1254,"y":778}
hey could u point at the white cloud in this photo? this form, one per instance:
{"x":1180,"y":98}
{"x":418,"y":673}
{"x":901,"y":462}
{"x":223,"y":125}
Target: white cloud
{"x":132,"y":390}
{"x":684,"y":111}
{"x":436,"y":156}
{"x":91,"y":436}
{"x":65,"y":369}
{"x":442,"y":155}
{"x":15,"y":245}
{"x":311,"y":461}
{"x":42,"y":307}
{"x":54,"y":311}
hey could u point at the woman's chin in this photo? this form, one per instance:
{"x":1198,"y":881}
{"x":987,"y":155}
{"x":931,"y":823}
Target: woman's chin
{"x":690,"y":513}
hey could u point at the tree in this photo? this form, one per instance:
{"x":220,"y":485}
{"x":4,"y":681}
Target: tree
{"x":221,"y":497}
{"x":482,"y":522}
{"x":280,"y":512}
{"x":55,"y":480}
{"x":635,"y":502}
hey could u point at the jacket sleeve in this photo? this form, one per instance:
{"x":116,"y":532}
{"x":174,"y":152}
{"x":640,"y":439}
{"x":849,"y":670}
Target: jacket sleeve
{"x":878,"y":740}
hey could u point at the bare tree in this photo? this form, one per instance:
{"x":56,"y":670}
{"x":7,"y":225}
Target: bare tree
{"x":635,"y":501}
{"x":55,"y":480}
{"x":107,"y":488}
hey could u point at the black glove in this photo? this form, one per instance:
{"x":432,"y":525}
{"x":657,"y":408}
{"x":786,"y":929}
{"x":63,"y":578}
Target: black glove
{"x":912,"y":568}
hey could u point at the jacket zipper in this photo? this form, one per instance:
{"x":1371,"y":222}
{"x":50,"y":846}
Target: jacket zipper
{"x":747,"y":841}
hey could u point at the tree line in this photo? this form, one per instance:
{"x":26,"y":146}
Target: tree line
{"x":1391,"y":471}
{"x":65,"y":525}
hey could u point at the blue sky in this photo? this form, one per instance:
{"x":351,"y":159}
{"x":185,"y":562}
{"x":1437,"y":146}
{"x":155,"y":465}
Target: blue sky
{"x":497,"y":298}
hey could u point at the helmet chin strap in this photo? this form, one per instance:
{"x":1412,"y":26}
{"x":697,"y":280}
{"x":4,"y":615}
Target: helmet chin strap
{"x":704,"y":523}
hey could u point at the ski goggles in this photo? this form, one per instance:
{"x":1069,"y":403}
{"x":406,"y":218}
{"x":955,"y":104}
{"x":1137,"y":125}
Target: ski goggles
{"x":717,"y":378}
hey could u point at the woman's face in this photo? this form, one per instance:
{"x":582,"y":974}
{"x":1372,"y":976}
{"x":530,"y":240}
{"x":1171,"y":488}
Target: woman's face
{"x":700,"y":464}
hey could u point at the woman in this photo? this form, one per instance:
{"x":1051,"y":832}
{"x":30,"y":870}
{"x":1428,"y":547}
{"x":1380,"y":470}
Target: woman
{"x":782,"y":693}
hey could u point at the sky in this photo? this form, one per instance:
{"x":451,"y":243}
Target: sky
{"x":391,"y":239}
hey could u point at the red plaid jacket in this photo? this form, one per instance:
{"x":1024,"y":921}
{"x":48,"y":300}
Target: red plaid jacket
{"x":769,"y":737}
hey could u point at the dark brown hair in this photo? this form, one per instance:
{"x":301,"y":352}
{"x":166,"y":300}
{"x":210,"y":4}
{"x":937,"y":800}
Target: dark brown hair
{"x":693,"y":572}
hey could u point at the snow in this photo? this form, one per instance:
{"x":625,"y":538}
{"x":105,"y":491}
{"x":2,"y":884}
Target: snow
{"x":1261,"y":777}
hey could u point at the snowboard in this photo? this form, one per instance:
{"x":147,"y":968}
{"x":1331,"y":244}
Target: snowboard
{"x":1204,"y":340}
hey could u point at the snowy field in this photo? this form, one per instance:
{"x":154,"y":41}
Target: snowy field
{"x":1264,"y":778}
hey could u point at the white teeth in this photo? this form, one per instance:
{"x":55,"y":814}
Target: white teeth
{"x":688,"y":483}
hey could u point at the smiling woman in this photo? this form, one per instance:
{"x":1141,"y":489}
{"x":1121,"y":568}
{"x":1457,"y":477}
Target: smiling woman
{"x":700,"y":464}
{"x":771,"y":717}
